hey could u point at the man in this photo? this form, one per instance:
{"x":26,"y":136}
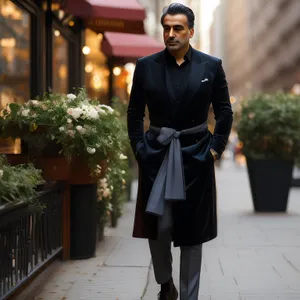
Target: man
{"x":176,"y":194}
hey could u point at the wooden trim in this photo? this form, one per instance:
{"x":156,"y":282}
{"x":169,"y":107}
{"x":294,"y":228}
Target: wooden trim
{"x":28,"y":6}
{"x":49,"y":47}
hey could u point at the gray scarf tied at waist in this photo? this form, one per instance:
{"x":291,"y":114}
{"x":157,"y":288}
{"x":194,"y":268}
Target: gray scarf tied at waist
{"x":169,"y":184}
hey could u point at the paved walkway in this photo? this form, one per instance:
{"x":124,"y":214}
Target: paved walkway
{"x":255,"y":257}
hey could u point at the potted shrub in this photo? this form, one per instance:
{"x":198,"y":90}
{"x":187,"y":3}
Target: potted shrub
{"x":269,"y":129}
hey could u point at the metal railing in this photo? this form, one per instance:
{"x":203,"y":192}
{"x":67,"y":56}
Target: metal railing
{"x":28,"y":239}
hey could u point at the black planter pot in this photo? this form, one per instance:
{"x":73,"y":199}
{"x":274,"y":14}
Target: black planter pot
{"x":101,"y":227}
{"x":296,"y":182}
{"x":83,"y":221}
{"x":270,"y":182}
{"x":113,"y":219}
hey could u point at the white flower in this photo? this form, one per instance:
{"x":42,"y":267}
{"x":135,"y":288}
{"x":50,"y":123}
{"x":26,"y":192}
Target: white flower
{"x":71,"y":97}
{"x":83,"y":131}
{"x":33,"y":102}
{"x":102,"y":111}
{"x":1,"y":173}
{"x":25,"y":113}
{"x":98,"y":171}
{"x":111,"y":110}
{"x":123,"y":172}
{"x":69,"y":121}
{"x":122,"y":156}
{"x":71,"y":133}
{"x":99,"y":167}
{"x":106,"y":193}
{"x":91,"y":113}
{"x":80,"y":129}
{"x":103,"y":183}
{"x":75,"y":112}
{"x":61,"y":129}
{"x":90,"y":150}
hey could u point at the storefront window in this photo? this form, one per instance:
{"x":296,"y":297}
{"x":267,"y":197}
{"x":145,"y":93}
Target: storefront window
{"x":122,"y":81}
{"x":14,"y":54}
{"x":14,"y":59}
{"x":60,"y":63}
{"x":96,"y":70}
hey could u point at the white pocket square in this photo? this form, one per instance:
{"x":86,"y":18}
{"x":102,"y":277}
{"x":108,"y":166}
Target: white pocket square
{"x":204,"y":80}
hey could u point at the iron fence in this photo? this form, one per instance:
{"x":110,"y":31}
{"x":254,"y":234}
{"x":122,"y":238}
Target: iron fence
{"x":29,"y":239}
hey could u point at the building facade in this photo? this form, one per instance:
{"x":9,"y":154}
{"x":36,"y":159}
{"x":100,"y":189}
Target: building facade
{"x":260,"y":44}
{"x":40,"y":51}
{"x":230,"y":36}
{"x":275,"y":40}
{"x":217,"y":33}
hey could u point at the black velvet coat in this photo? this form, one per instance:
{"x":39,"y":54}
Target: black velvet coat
{"x":194,"y":220}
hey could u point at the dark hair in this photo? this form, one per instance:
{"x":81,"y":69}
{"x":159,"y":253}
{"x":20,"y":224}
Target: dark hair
{"x":178,"y":8}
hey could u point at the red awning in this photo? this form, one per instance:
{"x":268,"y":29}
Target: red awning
{"x":109,"y":15}
{"x":129,"y":10}
{"x":129,"y":45}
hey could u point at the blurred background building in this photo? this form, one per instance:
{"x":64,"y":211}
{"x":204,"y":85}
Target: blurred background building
{"x":259,"y":43}
{"x":275,"y":41}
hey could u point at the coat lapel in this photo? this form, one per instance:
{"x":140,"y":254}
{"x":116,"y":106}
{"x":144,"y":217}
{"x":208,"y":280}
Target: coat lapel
{"x":194,"y":81}
{"x":161,"y":61}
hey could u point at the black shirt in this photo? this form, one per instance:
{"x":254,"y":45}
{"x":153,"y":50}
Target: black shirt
{"x":178,"y":74}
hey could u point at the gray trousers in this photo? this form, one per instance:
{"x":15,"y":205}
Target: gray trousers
{"x":190,"y":258}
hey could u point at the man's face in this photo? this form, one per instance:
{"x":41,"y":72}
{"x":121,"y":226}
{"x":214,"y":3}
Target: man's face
{"x":176,"y":32}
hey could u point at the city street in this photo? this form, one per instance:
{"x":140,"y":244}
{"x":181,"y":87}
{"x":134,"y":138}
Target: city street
{"x":255,"y":257}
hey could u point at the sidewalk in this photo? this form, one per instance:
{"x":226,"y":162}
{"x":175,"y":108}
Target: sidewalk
{"x":118,"y":272}
{"x":255,"y":257}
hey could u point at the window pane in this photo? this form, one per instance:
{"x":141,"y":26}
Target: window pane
{"x":14,"y":59}
{"x":60,"y":63}
{"x":96,"y":71}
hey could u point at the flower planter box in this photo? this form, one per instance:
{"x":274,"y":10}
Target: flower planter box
{"x":76,"y":176}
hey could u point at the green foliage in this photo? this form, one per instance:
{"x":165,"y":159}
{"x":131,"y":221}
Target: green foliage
{"x":112,"y":188}
{"x":81,"y":126}
{"x":269,"y":127}
{"x":18,"y":183}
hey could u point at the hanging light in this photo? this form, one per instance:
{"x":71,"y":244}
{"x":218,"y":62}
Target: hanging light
{"x":86,"y":50}
{"x":56,"y":33}
{"x":129,"y":67}
{"x":89,"y":67}
{"x":117,"y":71}
{"x":96,"y":81}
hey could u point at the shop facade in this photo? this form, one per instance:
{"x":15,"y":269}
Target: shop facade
{"x":40,"y":51}
{"x":56,"y":45}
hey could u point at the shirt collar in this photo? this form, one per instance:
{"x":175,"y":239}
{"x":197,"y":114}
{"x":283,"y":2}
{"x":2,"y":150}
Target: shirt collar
{"x":171,"y":58}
